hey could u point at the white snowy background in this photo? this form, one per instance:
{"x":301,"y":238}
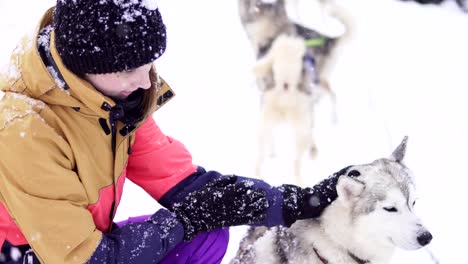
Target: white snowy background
{"x":404,"y":72}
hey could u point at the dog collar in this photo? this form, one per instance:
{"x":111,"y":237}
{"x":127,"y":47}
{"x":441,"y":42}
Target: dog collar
{"x":315,"y":42}
{"x":325,"y":261}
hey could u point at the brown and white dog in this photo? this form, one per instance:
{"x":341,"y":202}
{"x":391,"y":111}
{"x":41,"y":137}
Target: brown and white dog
{"x":292,"y":71}
{"x":264,"y":20}
{"x":288,"y":99}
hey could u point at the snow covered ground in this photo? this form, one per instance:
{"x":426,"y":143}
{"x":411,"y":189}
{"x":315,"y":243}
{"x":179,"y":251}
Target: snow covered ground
{"x":403,"y":73}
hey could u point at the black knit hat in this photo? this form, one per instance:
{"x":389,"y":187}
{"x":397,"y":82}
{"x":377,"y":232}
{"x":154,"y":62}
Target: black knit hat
{"x":105,"y":36}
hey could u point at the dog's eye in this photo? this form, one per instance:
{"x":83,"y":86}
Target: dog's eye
{"x":354,"y":173}
{"x":414,"y":203}
{"x":390,"y":209}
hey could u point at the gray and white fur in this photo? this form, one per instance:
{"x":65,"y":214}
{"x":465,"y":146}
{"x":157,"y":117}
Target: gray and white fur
{"x":263,"y":21}
{"x":291,"y":75}
{"x":372,"y":216}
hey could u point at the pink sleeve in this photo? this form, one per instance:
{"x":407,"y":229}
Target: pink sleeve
{"x":158,"y":162}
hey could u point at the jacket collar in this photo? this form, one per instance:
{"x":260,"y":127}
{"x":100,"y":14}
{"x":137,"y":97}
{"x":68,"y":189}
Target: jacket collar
{"x":79,"y":88}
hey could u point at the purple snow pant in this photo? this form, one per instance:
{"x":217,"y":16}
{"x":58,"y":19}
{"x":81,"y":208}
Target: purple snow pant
{"x":206,"y":248}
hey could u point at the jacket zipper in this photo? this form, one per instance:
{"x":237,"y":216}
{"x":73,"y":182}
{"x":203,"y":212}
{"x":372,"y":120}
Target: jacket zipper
{"x":114,"y":116}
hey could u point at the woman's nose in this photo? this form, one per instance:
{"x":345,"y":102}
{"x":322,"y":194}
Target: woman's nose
{"x":143,"y":81}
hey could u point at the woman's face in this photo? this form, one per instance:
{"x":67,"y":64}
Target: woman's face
{"x":121,"y":84}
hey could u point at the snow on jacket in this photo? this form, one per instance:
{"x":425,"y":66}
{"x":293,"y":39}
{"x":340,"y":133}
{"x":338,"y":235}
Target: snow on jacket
{"x":63,"y":166}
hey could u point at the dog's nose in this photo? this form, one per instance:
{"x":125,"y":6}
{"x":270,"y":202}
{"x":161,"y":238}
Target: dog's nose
{"x":425,"y":238}
{"x":285,"y":86}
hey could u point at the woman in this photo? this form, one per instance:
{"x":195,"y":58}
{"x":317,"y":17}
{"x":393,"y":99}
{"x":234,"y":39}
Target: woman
{"x":76,"y":122}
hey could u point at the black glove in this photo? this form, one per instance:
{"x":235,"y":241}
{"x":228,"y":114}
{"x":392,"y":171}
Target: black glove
{"x":221,"y":203}
{"x":303,"y":203}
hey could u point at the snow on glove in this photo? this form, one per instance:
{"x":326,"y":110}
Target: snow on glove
{"x":221,"y":203}
{"x":303,"y":203}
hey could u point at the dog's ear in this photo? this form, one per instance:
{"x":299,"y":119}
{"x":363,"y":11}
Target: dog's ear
{"x":263,"y":66}
{"x":399,"y":153}
{"x":349,"y":188}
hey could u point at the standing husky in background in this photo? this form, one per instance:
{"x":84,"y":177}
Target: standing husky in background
{"x":287,"y":100}
{"x":372,"y":216}
{"x":291,"y":75}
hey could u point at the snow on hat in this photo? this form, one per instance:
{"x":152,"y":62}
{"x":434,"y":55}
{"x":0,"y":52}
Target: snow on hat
{"x":105,"y":36}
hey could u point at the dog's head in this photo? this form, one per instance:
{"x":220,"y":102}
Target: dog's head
{"x":376,"y":205}
{"x":284,"y":61}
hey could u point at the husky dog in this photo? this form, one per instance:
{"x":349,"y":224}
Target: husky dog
{"x":288,"y":100}
{"x":372,"y":216}
{"x":287,"y":70}
{"x":264,"y":20}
